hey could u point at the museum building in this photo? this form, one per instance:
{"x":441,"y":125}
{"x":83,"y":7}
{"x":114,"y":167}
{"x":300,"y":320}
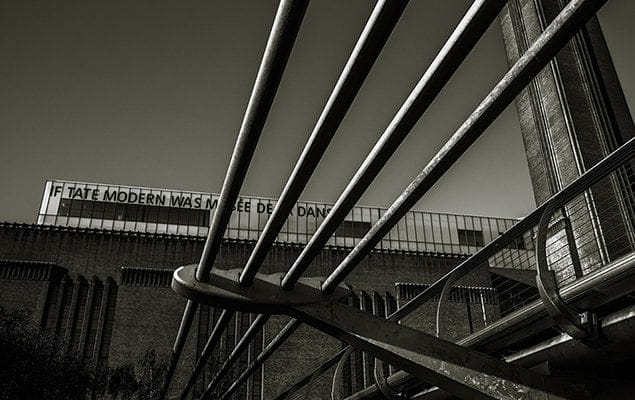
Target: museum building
{"x":95,"y":271}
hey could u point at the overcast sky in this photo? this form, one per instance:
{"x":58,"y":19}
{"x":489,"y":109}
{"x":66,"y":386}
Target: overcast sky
{"x":152,"y":93}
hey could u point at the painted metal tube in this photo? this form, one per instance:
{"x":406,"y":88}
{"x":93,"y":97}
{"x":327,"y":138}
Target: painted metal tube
{"x":370,"y":43}
{"x":465,"y":36}
{"x":555,"y":36}
{"x":283,"y":34}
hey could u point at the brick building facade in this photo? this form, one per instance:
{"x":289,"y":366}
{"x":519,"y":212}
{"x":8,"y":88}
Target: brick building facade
{"x":107,"y":293}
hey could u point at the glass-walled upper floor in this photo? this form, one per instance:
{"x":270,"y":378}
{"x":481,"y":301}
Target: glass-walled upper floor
{"x":113,"y":207}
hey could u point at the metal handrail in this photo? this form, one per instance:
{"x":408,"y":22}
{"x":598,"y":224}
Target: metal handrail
{"x":579,"y":325}
{"x":540,"y":217}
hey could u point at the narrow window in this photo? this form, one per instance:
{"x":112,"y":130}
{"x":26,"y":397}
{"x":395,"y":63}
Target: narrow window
{"x":353,"y":229}
{"x":469,"y":237}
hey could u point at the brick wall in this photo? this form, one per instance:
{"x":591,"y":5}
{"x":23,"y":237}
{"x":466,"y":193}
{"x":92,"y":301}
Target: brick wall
{"x":127,"y":307}
{"x":571,"y":116}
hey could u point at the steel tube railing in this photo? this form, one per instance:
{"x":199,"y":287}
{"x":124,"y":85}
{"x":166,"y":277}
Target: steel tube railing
{"x":275,"y":343}
{"x":465,"y":36}
{"x":593,"y":175}
{"x":284,"y":31}
{"x":469,"y":30}
{"x":555,"y":36}
{"x":375,"y":34}
{"x":619,"y":157}
{"x":251,"y":332}
{"x":534,"y":317}
{"x":223,"y":320}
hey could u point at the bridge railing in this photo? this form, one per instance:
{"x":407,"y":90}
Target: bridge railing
{"x":582,"y":235}
{"x":385,"y":15}
{"x":598,"y":231}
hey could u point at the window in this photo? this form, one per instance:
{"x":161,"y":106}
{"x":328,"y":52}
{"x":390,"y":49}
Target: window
{"x":184,"y":213}
{"x":98,"y":209}
{"x":163,"y":215}
{"x":469,"y":237}
{"x":152,"y":214}
{"x":109,"y":210}
{"x":517,"y":243}
{"x":87,"y":209}
{"x":120,"y":212}
{"x":76,"y":208}
{"x":354,"y":229}
{"x":64,"y":209}
{"x":133,"y":212}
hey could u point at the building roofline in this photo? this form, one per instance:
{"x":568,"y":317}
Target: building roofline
{"x":324,"y":203}
{"x":173,"y":236}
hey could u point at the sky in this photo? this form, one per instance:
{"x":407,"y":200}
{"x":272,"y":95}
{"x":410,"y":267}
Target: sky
{"x":152,"y":93}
